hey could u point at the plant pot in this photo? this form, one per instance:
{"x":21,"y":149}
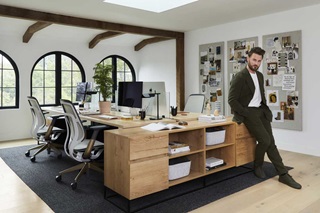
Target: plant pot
{"x":104,"y":107}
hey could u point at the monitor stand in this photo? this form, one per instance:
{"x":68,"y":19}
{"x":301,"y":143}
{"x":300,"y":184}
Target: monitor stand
{"x":158,"y":117}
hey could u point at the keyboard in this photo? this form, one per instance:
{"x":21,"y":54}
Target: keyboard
{"x":108,"y":117}
{"x":89,"y":112}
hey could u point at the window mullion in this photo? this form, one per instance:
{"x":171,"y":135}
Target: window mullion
{"x":58,"y":78}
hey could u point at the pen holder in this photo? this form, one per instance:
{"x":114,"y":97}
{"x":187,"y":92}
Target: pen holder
{"x":142,"y":115}
{"x":174,"y":111}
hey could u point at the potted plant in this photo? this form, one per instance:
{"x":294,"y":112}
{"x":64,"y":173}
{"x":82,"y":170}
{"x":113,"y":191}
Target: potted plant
{"x":104,"y":82}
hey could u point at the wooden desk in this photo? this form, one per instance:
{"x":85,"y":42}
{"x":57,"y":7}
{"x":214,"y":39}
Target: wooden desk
{"x":137,"y":160}
{"x":124,"y":124}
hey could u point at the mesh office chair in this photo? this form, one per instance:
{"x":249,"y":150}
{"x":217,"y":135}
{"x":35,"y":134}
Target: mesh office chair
{"x":195,"y":103}
{"x":77,"y":147}
{"x":46,"y":136}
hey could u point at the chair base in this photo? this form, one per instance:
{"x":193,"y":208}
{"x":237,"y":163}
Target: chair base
{"x":45,"y":146}
{"x":83,"y":167}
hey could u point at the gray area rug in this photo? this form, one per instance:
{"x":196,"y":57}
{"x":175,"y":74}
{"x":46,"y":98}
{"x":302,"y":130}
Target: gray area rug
{"x":89,"y":196}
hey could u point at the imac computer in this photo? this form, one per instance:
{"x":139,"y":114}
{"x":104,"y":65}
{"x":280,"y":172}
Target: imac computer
{"x":129,"y":95}
{"x":155,"y":100}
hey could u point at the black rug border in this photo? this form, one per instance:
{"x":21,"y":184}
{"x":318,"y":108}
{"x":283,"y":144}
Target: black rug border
{"x":188,"y":201}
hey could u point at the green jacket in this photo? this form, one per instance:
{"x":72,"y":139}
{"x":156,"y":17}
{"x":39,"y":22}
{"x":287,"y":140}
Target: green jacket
{"x":241,"y":92}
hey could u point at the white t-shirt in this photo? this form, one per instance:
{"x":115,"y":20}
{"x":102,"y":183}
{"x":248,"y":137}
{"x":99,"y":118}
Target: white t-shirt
{"x":256,"y":100}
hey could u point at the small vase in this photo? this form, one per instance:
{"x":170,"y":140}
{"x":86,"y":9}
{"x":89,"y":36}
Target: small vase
{"x":104,"y":107}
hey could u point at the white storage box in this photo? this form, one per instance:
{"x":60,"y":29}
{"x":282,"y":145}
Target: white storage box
{"x":178,"y":168}
{"x":215,"y":135}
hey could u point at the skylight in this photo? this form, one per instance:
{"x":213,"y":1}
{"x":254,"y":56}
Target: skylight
{"x":157,"y":6}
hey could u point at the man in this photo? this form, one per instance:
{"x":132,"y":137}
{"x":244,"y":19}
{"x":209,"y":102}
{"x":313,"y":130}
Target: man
{"x":248,"y":102}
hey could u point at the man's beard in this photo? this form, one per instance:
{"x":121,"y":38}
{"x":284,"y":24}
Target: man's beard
{"x":253,"y":68}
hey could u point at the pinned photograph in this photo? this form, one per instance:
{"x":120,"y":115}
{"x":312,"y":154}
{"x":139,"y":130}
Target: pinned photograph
{"x":203,"y":57}
{"x":277,"y":44}
{"x":277,"y":79}
{"x":240,"y":45}
{"x":218,"y":50}
{"x":203,"y":88}
{"x":283,"y":59}
{"x":236,"y":67}
{"x":231,"y":57}
{"x":268,"y":82}
{"x":288,"y":113}
{"x":272,"y":98}
{"x":272,"y":68}
{"x":269,"y":42}
{"x":293,"y":99}
{"x":278,"y":116}
{"x":217,"y":64}
{"x":286,"y":41}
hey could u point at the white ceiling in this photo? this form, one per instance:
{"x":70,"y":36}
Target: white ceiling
{"x":200,"y":14}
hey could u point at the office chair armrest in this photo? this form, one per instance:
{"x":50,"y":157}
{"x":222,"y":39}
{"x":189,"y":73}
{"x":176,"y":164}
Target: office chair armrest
{"x":45,"y":112}
{"x":96,"y":129}
{"x":49,"y":131}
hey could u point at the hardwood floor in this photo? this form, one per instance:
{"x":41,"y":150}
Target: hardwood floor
{"x":273,"y":196}
{"x":15,"y":195}
{"x":268,"y":196}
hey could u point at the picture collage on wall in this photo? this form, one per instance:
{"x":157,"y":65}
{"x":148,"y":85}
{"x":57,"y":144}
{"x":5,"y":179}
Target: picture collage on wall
{"x":211,"y":74}
{"x":281,"y":68}
{"x":282,"y":72}
{"x":237,"y":53}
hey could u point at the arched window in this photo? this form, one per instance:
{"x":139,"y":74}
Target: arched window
{"x":9,"y":82}
{"x":54,"y":76}
{"x":124,"y":70}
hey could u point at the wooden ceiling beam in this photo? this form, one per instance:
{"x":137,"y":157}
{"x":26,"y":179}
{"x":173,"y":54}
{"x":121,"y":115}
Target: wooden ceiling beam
{"x":147,"y":41}
{"x":33,"y":29}
{"x":102,"y":36}
{"x":22,"y":13}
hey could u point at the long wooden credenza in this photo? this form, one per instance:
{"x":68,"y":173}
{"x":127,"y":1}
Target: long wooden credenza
{"x":136,"y":161}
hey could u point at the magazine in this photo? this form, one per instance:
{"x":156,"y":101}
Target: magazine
{"x":161,"y":126}
{"x":177,"y":147}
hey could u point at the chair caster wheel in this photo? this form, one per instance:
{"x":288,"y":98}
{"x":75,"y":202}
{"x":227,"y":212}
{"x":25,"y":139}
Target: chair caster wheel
{"x":58,"y":178}
{"x":60,"y":156}
{"x":27,"y":153}
{"x":74,"y":185}
{"x":33,"y":159}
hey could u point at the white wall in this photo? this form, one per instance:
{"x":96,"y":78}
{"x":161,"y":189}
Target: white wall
{"x":158,"y":61}
{"x":15,"y":123}
{"x":305,"y":141}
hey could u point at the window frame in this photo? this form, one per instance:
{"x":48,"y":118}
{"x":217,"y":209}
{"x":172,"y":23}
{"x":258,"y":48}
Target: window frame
{"x":114,"y":73}
{"x":17,"y":83}
{"x":58,"y":74}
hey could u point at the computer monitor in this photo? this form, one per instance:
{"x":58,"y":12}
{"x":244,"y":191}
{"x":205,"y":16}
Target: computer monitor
{"x":130,"y":94}
{"x":156,"y":105}
{"x":83,"y":92}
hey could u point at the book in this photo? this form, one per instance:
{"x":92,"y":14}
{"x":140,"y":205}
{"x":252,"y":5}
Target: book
{"x":177,"y":147}
{"x":212,"y":161}
{"x":108,"y":117}
{"x":211,"y":118}
{"x":161,"y":126}
{"x":214,"y":167}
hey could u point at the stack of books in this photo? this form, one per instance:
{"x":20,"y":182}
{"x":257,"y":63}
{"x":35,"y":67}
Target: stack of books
{"x":213,"y":162}
{"x":211,"y":118}
{"x":177,"y":147}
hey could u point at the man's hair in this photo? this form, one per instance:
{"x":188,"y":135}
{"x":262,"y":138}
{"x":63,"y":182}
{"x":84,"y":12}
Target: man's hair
{"x":256,"y":50}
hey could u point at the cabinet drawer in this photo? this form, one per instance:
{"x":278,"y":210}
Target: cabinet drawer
{"x":152,"y":145}
{"x":242,"y":131}
{"x":245,"y":149}
{"x":149,"y":176}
